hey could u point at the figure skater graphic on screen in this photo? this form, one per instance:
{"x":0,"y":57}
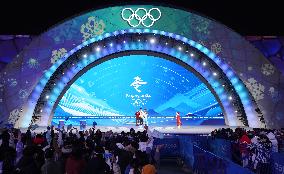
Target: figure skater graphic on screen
{"x":178,"y":119}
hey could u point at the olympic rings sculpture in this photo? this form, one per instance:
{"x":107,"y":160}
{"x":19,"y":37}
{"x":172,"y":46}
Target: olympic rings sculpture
{"x":134,"y":16}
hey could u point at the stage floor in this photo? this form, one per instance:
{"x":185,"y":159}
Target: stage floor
{"x":165,"y":129}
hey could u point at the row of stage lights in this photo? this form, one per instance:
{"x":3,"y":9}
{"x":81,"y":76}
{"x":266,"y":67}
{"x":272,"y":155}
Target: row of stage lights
{"x":153,"y":41}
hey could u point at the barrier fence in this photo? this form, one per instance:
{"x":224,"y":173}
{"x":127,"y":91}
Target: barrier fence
{"x":206,"y":155}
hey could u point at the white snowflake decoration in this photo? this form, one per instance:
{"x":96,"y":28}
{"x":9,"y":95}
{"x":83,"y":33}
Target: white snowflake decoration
{"x":216,"y":47}
{"x":92,"y":28}
{"x":12,"y":82}
{"x":255,"y":88}
{"x":14,"y":116}
{"x":23,"y":94}
{"x":57,"y":54}
{"x":267,"y":69}
{"x":32,"y":63}
{"x":274,"y":94}
{"x":271,"y":90}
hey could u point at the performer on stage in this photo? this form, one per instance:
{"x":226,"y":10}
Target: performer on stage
{"x":141,"y":115}
{"x":137,"y":114}
{"x":145,"y":116}
{"x":178,"y":119}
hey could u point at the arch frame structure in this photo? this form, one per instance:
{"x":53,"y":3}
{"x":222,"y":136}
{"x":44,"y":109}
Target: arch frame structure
{"x":259,"y":76}
{"x":234,"y":96}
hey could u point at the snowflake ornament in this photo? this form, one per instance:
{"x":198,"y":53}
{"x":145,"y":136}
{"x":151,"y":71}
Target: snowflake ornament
{"x":271,"y":90}
{"x":274,"y":94}
{"x":256,"y":89}
{"x":267,"y":69}
{"x":216,"y":48}
{"x":200,"y":24}
{"x":57,"y":54}
{"x":12,"y":82}
{"x":14,"y":116}
{"x":23,"y":94}
{"x":33,"y":63}
{"x":92,"y":28}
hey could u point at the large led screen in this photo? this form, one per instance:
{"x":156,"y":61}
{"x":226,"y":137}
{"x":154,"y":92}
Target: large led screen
{"x":111,"y":92}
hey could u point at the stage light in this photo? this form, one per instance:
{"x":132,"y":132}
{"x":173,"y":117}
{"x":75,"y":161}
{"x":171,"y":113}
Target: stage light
{"x":98,"y":49}
{"x":124,"y":41}
{"x":47,"y":97}
{"x":63,"y":73}
{"x":85,"y":55}
{"x":191,"y":54}
{"x":204,"y":63}
{"x":215,"y":74}
{"x":179,"y":48}
{"x":236,"y":111}
{"x":166,"y":43}
{"x":139,"y":40}
{"x":152,"y":41}
{"x":41,"y":110}
{"x":110,"y":44}
{"x":230,"y":98}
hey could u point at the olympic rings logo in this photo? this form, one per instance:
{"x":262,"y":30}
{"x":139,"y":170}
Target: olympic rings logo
{"x":134,"y":20}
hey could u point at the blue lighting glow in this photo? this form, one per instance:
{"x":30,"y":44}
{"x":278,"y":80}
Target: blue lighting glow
{"x":175,"y":53}
{"x":105,"y":90}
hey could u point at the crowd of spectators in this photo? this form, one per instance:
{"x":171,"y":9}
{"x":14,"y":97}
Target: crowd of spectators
{"x":252,"y":148}
{"x":57,"y":151}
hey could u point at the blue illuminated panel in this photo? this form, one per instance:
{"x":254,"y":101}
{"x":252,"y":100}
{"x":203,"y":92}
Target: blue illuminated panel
{"x":113,"y":91}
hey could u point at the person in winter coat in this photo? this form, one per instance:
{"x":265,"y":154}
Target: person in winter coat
{"x":48,"y":135}
{"x":97,"y":164}
{"x":75,"y":164}
{"x":50,"y":166}
{"x":274,"y":141}
{"x":244,"y":142}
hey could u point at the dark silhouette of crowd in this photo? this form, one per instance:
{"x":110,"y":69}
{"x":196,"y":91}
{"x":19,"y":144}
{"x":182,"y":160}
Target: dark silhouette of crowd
{"x":57,"y":151}
{"x":253,"y":148}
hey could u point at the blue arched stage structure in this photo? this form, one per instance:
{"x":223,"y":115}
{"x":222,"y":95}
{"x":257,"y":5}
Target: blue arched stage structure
{"x":37,"y":85}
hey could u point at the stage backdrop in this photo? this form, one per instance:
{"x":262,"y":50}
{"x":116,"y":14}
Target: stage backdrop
{"x":263,"y":80}
{"x":121,"y":86}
